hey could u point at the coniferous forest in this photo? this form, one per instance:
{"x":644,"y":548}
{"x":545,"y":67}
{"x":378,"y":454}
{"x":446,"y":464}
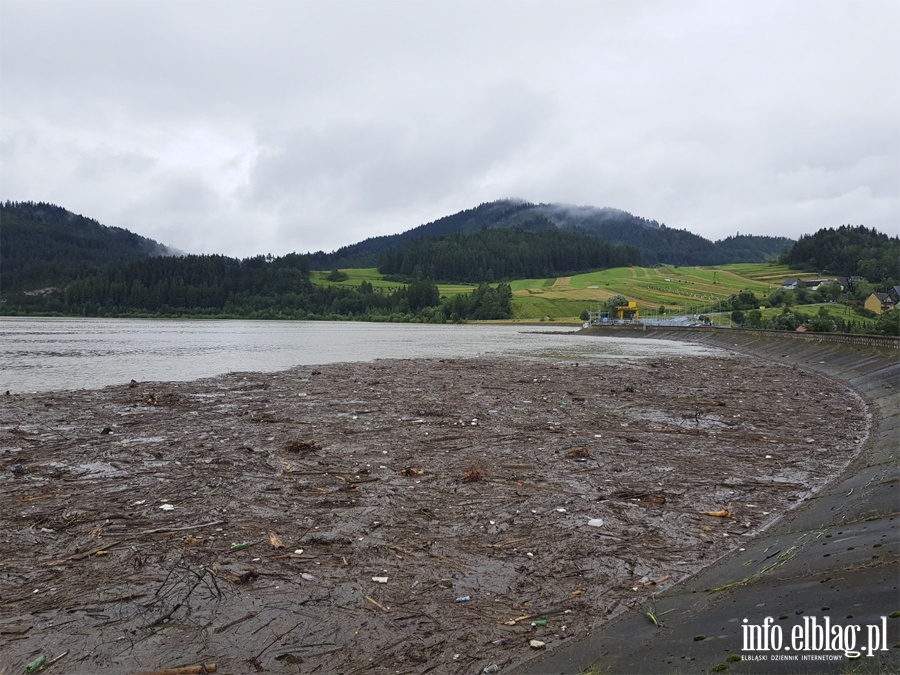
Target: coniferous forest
{"x":655,"y":242}
{"x":849,"y":251}
{"x":262,"y":287}
{"x":504,"y":254}
{"x":44,"y":245}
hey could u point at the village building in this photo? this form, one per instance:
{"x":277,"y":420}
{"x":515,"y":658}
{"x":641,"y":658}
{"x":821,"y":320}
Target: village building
{"x":879,"y":303}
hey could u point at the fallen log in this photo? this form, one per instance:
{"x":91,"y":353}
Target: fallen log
{"x":185,"y":670}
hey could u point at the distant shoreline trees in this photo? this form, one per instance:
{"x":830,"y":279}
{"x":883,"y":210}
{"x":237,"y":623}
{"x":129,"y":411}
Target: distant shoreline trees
{"x":261,"y":287}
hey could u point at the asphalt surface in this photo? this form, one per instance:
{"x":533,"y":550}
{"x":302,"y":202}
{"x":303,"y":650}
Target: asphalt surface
{"x":835,"y":558}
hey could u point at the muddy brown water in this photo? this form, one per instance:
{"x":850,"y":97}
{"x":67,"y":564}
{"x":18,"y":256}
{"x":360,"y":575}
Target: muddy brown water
{"x":403,"y":516}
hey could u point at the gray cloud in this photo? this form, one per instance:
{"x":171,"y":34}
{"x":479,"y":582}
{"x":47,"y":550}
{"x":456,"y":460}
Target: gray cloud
{"x":244,"y":127}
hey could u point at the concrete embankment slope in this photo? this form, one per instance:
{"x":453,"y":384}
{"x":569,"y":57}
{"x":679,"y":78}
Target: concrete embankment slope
{"x":835,"y":557}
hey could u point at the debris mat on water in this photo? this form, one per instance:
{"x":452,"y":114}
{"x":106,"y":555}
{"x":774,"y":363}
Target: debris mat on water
{"x":336,"y":516}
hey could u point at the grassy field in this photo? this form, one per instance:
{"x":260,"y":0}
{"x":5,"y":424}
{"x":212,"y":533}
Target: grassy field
{"x":834,"y":309}
{"x":679,"y":289}
{"x":355,"y":277}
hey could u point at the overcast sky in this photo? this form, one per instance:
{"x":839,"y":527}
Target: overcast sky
{"x":245,"y":127}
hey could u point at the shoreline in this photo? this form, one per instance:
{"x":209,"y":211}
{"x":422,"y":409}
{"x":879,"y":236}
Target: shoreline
{"x":454,"y":478}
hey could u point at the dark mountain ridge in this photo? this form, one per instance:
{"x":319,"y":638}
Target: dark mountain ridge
{"x":656,"y":242}
{"x":44,"y":245}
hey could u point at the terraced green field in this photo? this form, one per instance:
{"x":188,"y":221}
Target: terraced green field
{"x":678,"y":289}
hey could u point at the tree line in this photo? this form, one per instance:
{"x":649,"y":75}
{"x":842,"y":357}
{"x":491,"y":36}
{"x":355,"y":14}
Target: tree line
{"x":849,"y":251}
{"x":504,"y":254}
{"x":746,"y":313}
{"x":260,"y":287}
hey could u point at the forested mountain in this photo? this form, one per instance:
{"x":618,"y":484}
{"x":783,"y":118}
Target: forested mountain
{"x":849,"y":251}
{"x":541,"y":250}
{"x":655,"y":242}
{"x":45,"y":245}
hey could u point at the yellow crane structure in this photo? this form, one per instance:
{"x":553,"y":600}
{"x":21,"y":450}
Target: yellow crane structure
{"x":629,"y":311}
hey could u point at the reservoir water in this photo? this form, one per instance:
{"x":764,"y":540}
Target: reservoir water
{"x":46,"y":354}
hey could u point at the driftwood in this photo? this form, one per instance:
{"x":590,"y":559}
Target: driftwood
{"x":278,"y":527}
{"x":185,"y":670}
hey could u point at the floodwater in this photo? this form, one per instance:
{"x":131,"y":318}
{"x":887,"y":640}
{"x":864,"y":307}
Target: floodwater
{"x":48,"y":354}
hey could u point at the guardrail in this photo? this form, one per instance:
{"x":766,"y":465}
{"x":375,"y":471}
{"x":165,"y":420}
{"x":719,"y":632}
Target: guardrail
{"x":880,"y":341}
